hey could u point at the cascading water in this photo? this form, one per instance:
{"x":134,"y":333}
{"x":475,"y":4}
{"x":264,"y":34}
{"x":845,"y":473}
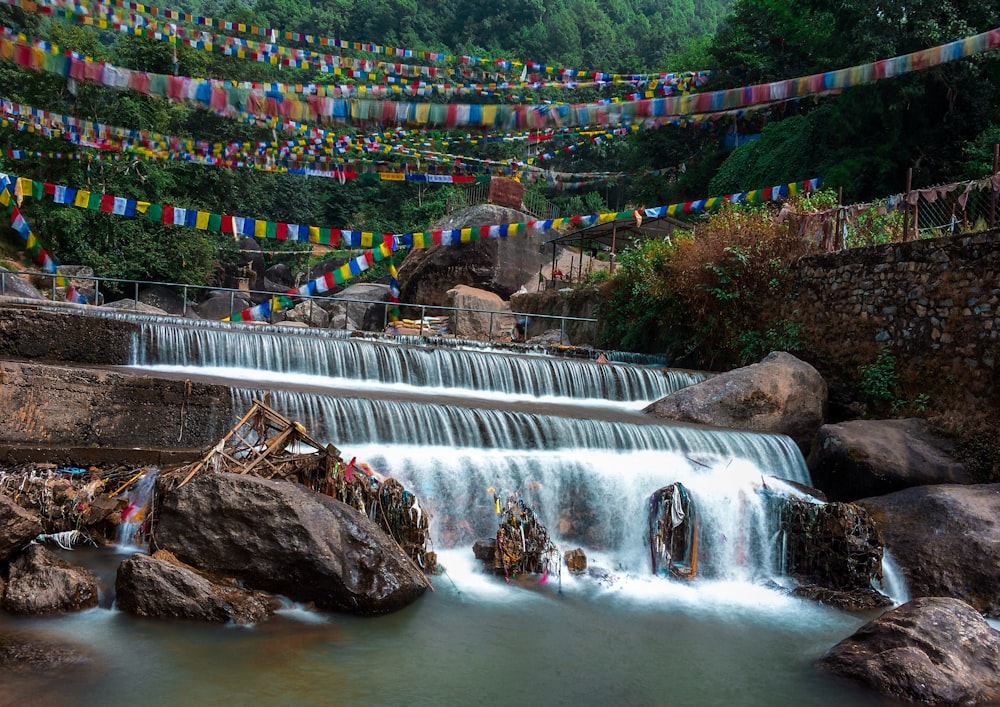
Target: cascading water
{"x":139,"y":495}
{"x":588,"y":481}
{"x":385,"y":365}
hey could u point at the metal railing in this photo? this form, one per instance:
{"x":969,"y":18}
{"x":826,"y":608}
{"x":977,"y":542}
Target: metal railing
{"x":575,"y":328}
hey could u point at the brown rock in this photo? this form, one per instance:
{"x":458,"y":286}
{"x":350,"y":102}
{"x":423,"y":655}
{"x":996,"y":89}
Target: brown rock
{"x":18,"y":527}
{"x":860,"y":458}
{"x":945,"y":539}
{"x":162,"y":586}
{"x":499,"y":265}
{"x":576,"y":560}
{"x":779,"y":395}
{"x":931,"y":650}
{"x":43,"y":583}
{"x":478,"y":324}
{"x":282,"y":538}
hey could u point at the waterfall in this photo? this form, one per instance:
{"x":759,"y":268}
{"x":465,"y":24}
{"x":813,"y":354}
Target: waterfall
{"x":587,"y":480}
{"x":393,"y":365}
{"x":139,"y":496}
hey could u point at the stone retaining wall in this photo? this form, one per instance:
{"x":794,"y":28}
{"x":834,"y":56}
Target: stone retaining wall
{"x":934,"y":303}
{"x":65,"y":406}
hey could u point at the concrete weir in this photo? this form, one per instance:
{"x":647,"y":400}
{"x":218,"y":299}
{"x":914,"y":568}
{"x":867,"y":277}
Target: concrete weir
{"x":58,"y":403}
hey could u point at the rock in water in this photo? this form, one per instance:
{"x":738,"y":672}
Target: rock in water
{"x":780,"y":395}
{"x":42,"y":583}
{"x":161,"y":586}
{"x":931,"y":650}
{"x":945,"y":539}
{"x":860,"y":458}
{"x":18,"y":527}
{"x":283,"y":538}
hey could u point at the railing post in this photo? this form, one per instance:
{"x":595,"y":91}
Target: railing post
{"x":906,"y":204}
{"x":184,"y":306}
{"x":422,"y":311}
{"x":232,"y":303}
{"x":489,"y":334}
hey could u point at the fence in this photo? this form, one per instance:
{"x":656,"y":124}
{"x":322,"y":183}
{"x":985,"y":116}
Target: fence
{"x":433,"y":320}
{"x":940,"y":210}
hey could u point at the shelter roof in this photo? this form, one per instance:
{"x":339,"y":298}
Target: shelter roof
{"x":620,"y":231}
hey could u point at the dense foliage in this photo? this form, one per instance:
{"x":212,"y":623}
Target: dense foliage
{"x":941,"y":122}
{"x":703,"y":296}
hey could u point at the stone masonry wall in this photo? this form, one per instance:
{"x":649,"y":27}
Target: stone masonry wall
{"x":934,"y":303}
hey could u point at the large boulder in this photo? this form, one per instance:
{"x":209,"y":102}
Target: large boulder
{"x":42,"y":583}
{"x":945,"y":539}
{"x":362,"y":303}
{"x":931,"y":650}
{"x":163,"y":587}
{"x":165,"y":298}
{"x":780,"y":395}
{"x":282,"y":538}
{"x":860,"y":458}
{"x":499,"y":265}
{"x":221,"y":305}
{"x":12,"y":285}
{"x":475,"y":320}
{"x":18,"y":527}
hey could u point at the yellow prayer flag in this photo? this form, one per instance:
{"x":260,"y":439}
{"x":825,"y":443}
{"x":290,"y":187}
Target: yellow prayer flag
{"x":367,"y":238}
{"x":82,"y":199}
{"x":260,"y":229}
{"x":141,"y":207}
{"x":201,"y":221}
{"x":314,"y":234}
{"x":466,"y":235}
{"x":392,"y":176}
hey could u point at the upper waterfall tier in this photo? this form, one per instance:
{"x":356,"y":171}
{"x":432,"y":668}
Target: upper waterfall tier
{"x":387,"y":363}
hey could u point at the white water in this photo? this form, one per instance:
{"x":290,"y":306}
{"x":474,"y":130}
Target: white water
{"x":139,"y":495}
{"x":381,"y":362}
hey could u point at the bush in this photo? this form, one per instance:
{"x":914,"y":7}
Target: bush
{"x":706,"y":297}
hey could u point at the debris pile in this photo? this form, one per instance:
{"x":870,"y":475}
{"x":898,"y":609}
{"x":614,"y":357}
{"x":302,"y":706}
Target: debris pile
{"x":266,"y":444}
{"x":522,"y":545}
{"x":88,"y":502}
{"x":673,"y":533}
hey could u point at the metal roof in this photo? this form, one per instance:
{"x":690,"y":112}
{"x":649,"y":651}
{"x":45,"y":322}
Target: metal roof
{"x":621,"y":231}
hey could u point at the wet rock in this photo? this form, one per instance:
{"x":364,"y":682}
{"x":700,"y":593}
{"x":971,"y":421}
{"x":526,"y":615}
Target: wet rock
{"x":161,"y":586}
{"x":552,"y":337}
{"x":18,"y":527}
{"x":282,"y":538}
{"x":945,"y":539}
{"x":931,"y":650}
{"x":576,"y":560}
{"x":779,"y":395}
{"x":860,"y":599}
{"x":860,"y":458}
{"x":832,"y":545}
{"x":478,"y":324}
{"x":43,"y":583}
